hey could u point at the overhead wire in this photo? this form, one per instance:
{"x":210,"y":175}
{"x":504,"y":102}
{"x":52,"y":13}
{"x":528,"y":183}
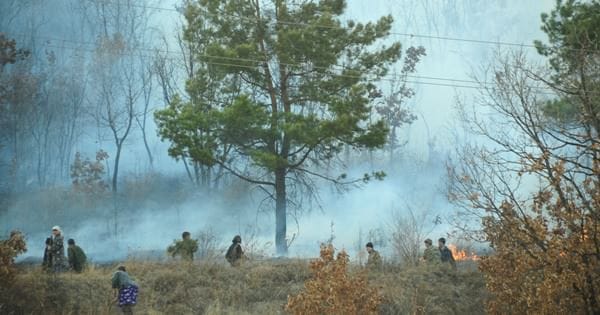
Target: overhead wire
{"x":457,"y":83}
{"x":412,"y":35}
{"x":225,"y":64}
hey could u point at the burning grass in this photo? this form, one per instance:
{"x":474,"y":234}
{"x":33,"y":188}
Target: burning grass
{"x":258,"y":287}
{"x":462,"y":254}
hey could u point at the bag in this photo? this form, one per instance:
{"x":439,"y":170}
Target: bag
{"x":128,"y":295}
{"x":230,"y":255}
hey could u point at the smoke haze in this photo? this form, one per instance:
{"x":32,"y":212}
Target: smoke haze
{"x":415,"y":179}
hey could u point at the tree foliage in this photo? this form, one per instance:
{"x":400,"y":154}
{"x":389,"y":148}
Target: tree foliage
{"x":9,"y":249}
{"x":9,"y":53}
{"x":536,"y":187}
{"x":573,"y":30}
{"x":281,"y":86}
{"x":392,"y":108}
{"x":88,"y":176}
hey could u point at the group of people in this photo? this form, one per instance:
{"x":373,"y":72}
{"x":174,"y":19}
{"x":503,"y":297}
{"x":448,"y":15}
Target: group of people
{"x":126,"y":290}
{"x":431,"y":255}
{"x":54,"y":254}
{"x":54,"y":258}
{"x":441,"y":254}
{"x":187,"y":247}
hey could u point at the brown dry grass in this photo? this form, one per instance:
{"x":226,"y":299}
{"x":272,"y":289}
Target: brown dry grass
{"x":258,"y":287}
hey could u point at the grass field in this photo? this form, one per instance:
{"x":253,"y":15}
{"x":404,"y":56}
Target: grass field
{"x":212,"y":287}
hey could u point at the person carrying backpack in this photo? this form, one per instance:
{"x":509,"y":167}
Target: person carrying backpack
{"x":235,"y":253}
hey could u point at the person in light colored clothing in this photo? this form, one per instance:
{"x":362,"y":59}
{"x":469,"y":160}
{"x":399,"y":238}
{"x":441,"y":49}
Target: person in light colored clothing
{"x":431,"y":255}
{"x":57,"y":250}
{"x":374,"y":260}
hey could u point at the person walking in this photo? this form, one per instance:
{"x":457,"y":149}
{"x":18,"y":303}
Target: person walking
{"x":374,"y":259}
{"x":431,"y":255}
{"x":446,"y":253}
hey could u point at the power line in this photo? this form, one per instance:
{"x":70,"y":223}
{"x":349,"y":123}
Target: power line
{"x":226,"y":64}
{"x":411,"y":35}
{"x":154,"y":51}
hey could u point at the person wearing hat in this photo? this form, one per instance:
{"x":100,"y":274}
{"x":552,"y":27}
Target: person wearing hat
{"x":374,"y":259}
{"x":431,"y":255}
{"x":57,"y":250}
{"x":235,"y":254}
{"x":126,"y":290}
{"x":77,"y":258}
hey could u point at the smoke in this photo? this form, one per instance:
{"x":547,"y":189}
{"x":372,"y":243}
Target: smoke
{"x":416,"y":179}
{"x":145,"y":229}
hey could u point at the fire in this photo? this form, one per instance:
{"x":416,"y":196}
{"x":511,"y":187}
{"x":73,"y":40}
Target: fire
{"x":461,"y":254}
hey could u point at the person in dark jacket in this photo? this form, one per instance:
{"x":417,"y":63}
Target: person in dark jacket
{"x":47,"y":262}
{"x":445,"y":253}
{"x":235,"y":254}
{"x":77,"y":258}
{"x":126,"y":290}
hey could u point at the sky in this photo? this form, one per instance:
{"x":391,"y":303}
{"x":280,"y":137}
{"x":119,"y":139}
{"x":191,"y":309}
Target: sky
{"x":460,"y":37}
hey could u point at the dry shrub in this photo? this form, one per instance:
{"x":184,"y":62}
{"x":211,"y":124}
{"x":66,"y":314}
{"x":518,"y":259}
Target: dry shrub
{"x":254,"y":246}
{"x":9,"y":249}
{"x":88,"y":176}
{"x":409,"y":228}
{"x":208,"y":244}
{"x":331,"y":290}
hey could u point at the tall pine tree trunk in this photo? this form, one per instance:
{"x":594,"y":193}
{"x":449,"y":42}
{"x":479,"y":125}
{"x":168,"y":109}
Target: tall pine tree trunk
{"x":280,"y":212}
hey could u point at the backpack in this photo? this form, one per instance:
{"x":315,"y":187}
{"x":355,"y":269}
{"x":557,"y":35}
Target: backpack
{"x":231,"y":252}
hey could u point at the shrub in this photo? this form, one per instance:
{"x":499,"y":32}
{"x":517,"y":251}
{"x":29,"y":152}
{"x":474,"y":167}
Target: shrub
{"x":9,"y":249}
{"x":331,"y":290}
{"x":87,"y":176}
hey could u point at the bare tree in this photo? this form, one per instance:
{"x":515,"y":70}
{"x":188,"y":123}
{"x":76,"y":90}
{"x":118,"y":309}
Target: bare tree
{"x":123,"y":78}
{"x":532,"y":181}
{"x":409,"y":228}
{"x":142,"y":118}
{"x":393,"y":106}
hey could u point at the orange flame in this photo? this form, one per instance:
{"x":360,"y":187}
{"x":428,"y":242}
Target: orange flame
{"x":462,"y":254}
